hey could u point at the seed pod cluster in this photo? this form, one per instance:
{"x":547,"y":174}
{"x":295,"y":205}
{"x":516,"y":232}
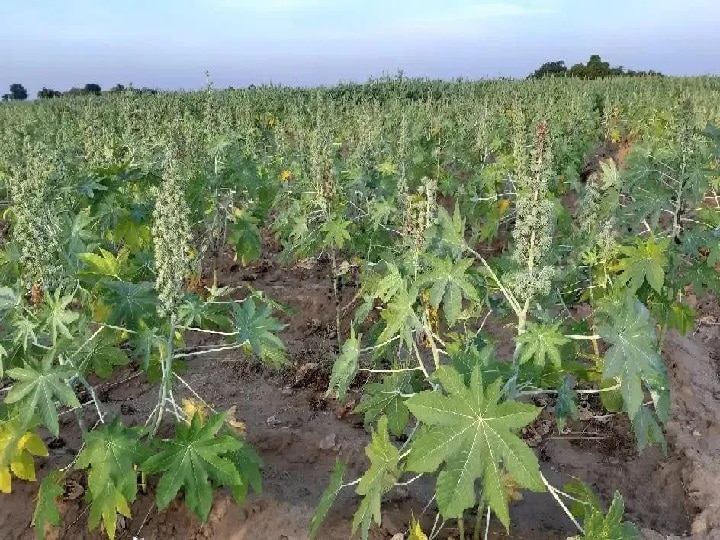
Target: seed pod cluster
{"x":36,"y":224}
{"x":171,"y":234}
{"x":534,"y":222}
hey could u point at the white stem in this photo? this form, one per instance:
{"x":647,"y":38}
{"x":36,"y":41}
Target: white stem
{"x":554,"y":492}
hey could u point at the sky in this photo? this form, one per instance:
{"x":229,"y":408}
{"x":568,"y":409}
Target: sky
{"x":171,"y":44}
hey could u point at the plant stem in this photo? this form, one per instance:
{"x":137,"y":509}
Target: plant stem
{"x":555,"y":493}
{"x":166,"y":382}
{"x":336,"y":295}
{"x":478,"y":522}
{"x":461,"y":528}
{"x":487,"y":524}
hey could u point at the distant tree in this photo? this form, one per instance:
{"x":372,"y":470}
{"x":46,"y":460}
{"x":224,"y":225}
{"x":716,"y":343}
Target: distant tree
{"x":117,"y":89}
{"x":48,"y":93}
{"x":6,"y":97}
{"x":550,"y":69}
{"x":595,"y":68}
{"x":74,"y":91}
{"x":18,"y":92}
{"x":92,"y":88}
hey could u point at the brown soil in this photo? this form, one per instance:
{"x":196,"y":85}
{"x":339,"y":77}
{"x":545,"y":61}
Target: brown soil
{"x":608,"y":150}
{"x":299,"y":435}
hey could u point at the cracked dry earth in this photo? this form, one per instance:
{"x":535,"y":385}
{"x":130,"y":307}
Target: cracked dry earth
{"x":299,"y":435}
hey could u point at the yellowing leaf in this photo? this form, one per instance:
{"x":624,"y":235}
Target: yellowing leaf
{"x":5,"y":480}
{"x":17,"y":447}
{"x":192,"y":406}
{"x":387,"y":168}
{"x":100,"y":312}
{"x":23,"y":467}
{"x":503,"y":206}
{"x":416,"y":532}
{"x":235,"y":425}
{"x":512,"y":488}
{"x":33,"y":444}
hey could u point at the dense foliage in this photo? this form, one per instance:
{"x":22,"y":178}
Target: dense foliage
{"x":595,"y":68}
{"x":458,"y":204}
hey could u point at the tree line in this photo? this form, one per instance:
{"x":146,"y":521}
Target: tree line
{"x":19,"y":93}
{"x":595,"y":68}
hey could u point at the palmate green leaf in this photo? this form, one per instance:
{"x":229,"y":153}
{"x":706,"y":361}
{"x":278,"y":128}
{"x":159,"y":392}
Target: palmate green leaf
{"x":195,"y":459}
{"x":37,"y":388}
{"x":131,"y":303}
{"x":248,"y":464}
{"x":475,"y":353}
{"x":647,"y":430}
{"x":645,"y":261}
{"x":191,"y":311}
{"x":473,"y":434}
{"x":101,"y":357}
{"x":448,"y":236}
{"x":542,"y":342}
{"x":147,"y":343}
{"x":608,"y":526}
{"x":345,"y":367}
{"x":681,"y":317}
{"x":244,"y":236}
{"x":381,"y":211}
{"x":24,"y":332}
{"x":389,"y":285}
{"x":584,"y":501}
{"x":386,"y":399}
{"x":57,"y":317}
{"x":111,"y":454}
{"x":400,"y":317}
{"x":336,"y":232}
{"x":449,"y":284}
{"x":255,"y":328}
{"x":46,"y":512}
{"x":702,"y":277}
{"x":632,"y":356}
{"x":377,"y":480}
{"x":104,"y":265}
{"x":328,"y":498}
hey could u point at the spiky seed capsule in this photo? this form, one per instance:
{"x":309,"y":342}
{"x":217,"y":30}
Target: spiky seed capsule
{"x":36,"y":210}
{"x":171,"y":234}
{"x":535,"y":216}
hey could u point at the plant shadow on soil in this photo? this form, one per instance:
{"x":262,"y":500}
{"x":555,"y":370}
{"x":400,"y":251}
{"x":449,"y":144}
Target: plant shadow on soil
{"x":299,"y":435}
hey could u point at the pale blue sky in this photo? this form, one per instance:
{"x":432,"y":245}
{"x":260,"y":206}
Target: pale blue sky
{"x":170,"y":43}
